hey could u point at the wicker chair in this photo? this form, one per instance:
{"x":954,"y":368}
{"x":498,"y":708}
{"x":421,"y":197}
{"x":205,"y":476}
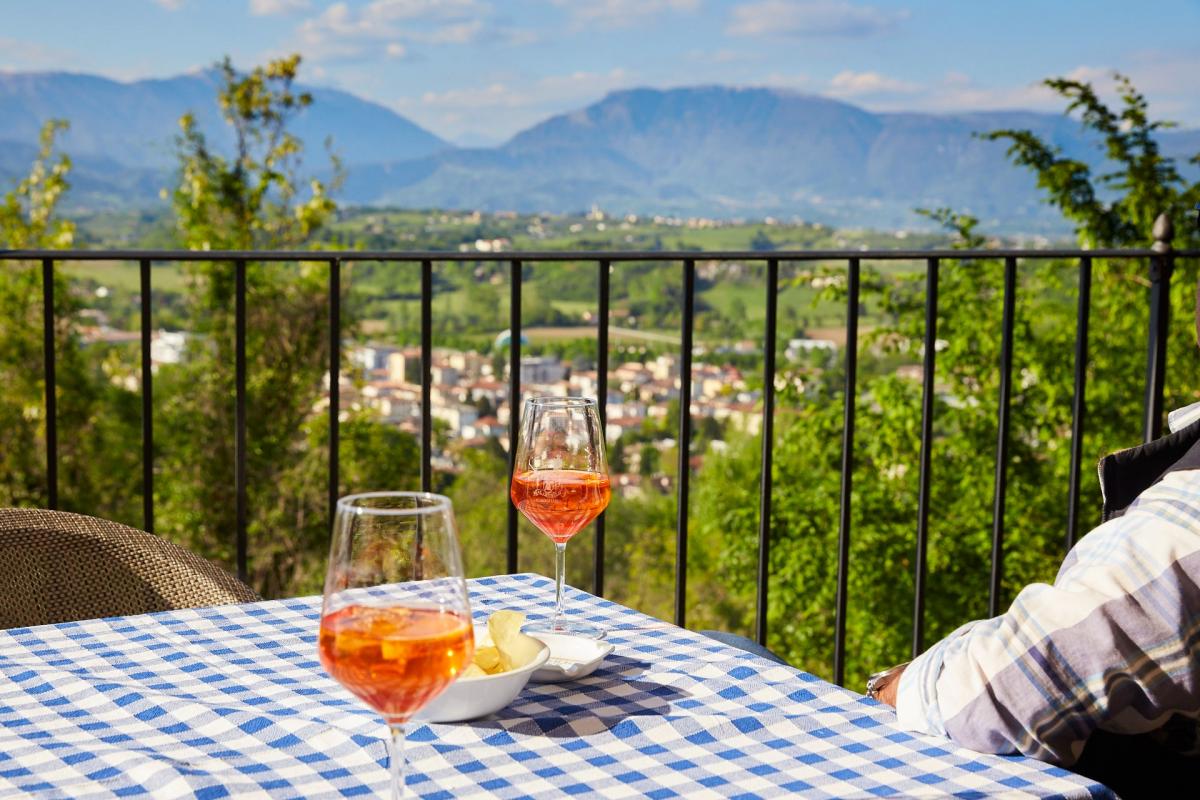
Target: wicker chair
{"x":56,"y":567}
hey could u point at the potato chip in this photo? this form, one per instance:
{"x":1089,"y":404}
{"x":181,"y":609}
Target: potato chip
{"x":516,"y":649}
{"x":472,"y":671}
{"x":488,"y":659}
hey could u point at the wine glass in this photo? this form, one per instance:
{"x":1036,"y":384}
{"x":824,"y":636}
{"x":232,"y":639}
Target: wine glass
{"x":560,"y":483}
{"x":396,"y":622}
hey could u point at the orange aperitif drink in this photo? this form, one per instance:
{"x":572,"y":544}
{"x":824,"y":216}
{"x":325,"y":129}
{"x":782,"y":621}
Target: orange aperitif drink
{"x":560,"y":502}
{"x":395,"y":659}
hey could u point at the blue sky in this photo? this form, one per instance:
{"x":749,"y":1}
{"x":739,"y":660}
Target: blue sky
{"x":477,"y":71}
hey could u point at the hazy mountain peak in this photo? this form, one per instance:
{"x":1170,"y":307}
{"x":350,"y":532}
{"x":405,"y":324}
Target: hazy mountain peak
{"x":135,"y":123}
{"x":699,"y":150}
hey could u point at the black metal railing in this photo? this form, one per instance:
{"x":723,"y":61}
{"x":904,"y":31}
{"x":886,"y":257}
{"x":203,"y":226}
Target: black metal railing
{"x":1160,"y":259}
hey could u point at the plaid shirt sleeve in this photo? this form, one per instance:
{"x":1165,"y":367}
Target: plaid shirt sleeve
{"x":1112,"y":644}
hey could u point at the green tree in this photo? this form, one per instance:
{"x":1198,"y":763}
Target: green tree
{"x":1143,"y":183}
{"x":253,"y":199}
{"x":1116,"y":209}
{"x":616,"y":456}
{"x":648,"y":461}
{"x":97,"y":421}
{"x":761,"y":241}
{"x":28,"y":217}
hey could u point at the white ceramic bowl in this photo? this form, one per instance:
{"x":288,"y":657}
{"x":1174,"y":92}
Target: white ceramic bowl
{"x":571,"y":657}
{"x":470,"y":698}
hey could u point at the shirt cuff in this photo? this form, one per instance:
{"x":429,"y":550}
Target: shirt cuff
{"x":917,"y":707}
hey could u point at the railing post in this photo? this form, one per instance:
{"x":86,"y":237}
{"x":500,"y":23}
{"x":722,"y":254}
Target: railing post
{"x":1079,"y":402}
{"x":514,"y":404}
{"x":147,"y":403}
{"x":927,"y":403}
{"x":768,"y":450}
{"x":1000,"y":483}
{"x":602,"y":287}
{"x":51,"y":384}
{"x":1161,"y":265}
{"x":685,"y":440}
{"x":239,"y":415}
{"x":426,"y":375}
{"x":849,"y":396}
{"x":335,"y":376}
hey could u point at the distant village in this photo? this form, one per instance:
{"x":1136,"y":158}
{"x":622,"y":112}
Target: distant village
{"x":469,"y":399}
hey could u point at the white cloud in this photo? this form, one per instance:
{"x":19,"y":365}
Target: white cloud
{"x":856,"y":84}
{"x":345,"y":32}
{"x":170,"y":5}
{"x":958,"y":92}
{"x":492,"y":96}
{"x":454,"y":33}
{"x":955,"y":78}
{"x":573,"y":87}
{"x":471,"y":110}
{"x":780,"y":80}
{"x":1171,"y":86}
{"x":811,"y":18}
{"x":21,"y":56}
{"x":621,"y":13}
{"x":515,"y":37}
{"x":271,"y":8}
{"x":1093,"y":75}
{"x":722,"y":56}
{"x":955,"y":92}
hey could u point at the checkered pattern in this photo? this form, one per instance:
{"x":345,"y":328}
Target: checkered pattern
{"x":231,"y":701}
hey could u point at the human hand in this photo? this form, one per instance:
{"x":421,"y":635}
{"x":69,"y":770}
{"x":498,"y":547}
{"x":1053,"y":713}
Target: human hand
{"x":888,"y":693}
{"x":882,"y":686}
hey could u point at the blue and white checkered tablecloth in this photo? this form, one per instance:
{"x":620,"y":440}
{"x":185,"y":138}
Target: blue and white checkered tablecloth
{"x":231,"y":701}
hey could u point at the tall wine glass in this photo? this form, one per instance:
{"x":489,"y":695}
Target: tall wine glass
{"x":395,"y":623}
{"x":560,"y":482}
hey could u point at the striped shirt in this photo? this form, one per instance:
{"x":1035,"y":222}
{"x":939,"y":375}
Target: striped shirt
{"x":1113,"y":644}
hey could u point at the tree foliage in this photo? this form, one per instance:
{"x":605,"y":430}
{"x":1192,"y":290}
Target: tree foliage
{"x":95,"y":418}
{"x":1118,"y":207}
{"x":255,"y":198}
{"x":250,"y":199}
{"x":1114,"y":209}
{"x":28,"y":216}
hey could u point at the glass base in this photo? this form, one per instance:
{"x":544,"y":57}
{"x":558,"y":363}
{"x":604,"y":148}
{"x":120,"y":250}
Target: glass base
{"x":566,"y":627}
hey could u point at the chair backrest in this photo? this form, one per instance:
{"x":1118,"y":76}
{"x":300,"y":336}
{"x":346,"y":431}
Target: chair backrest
{"x":56,"y":567}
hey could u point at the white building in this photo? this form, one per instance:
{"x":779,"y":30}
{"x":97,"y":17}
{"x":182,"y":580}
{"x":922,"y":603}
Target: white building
{"x":797,"y":346}
{"x":469,"y":363}
{"x":167,"y":347}
{"x":542,"y":369}
{"x":370,"y":357}
{"x":456,"y":416}
{"x":444,"y":374}
{"x":404,"y":366}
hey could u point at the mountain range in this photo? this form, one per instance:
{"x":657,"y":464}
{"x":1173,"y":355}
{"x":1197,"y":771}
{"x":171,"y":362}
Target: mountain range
{"x":710,"y":150}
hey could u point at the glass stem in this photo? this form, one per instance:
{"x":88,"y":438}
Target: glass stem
{"x":396,"y":762}
{"x":560,"y":576}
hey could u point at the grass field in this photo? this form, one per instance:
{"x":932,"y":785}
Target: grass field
{"x":126,"y":275}
{"x":573,"y":308}
{"x":749,"y":302}
{"x":385,"y":301}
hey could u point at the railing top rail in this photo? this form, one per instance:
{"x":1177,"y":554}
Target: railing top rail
{"x":417,"y":256}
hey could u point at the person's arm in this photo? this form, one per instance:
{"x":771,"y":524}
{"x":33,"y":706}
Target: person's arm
{"x":1112,"y":643}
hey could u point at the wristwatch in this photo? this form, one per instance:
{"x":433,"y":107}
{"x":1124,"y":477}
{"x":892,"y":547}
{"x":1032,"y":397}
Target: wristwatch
{"x":876,"y":682}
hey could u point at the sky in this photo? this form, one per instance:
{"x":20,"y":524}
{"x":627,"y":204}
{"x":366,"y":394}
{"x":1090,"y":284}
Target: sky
{"x":477,"y":71}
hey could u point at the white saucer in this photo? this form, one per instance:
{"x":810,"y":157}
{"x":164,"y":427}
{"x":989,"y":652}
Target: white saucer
{"x":571,"y":657}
